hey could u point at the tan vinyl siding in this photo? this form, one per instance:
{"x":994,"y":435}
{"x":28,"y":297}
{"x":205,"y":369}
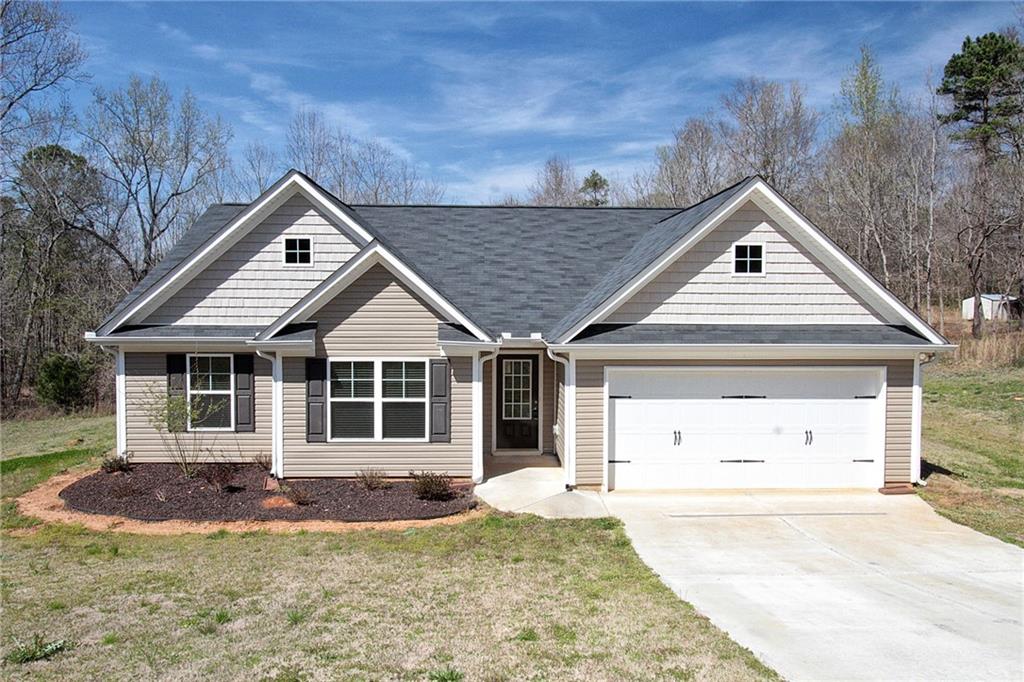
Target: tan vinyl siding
{"x":699,"y":288}
{"x":560,"y":411}
{"x":590,"y":411}
{"x":250,"y":284}
{"x":146,"y":382}
{"x":376,"y":316}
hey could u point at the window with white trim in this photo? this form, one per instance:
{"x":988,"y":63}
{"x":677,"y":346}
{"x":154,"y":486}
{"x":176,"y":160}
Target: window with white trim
{"x":748,"y":259}
{"x":353,"y":400}
{"x":378,"y":400}
{"x":404,"y":396}
{"x":210,"y":390}
{"x":298,"y":251}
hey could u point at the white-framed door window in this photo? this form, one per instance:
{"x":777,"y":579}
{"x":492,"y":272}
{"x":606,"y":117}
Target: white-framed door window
{"x":517,"y":387}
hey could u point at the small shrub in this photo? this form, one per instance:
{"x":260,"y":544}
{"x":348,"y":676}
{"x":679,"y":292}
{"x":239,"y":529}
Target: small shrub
{"x":297,"y":496}
{"x":37,"y":650}
{"x":63,"y":381}
{"x":432,"y":486}
{"x":373,"y":479}
{"x":115,"y":465}
{"x":219,"y":475}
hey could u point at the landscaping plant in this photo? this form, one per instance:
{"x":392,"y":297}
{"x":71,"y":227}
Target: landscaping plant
{"x":373,"y":479}
{"x":434,"y":486}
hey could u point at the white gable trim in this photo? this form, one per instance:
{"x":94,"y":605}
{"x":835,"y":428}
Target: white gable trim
{"x":374,"y":254}
{"x":292,"y":183}
{"x":765,"y":197}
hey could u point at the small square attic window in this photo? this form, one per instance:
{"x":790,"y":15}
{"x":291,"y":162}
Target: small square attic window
{"x":748,"y":259}
{"x":298,"y":251}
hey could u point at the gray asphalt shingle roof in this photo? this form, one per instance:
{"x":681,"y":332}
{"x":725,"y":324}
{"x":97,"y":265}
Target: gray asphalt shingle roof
{"x":811,"y":334}
{"x":511,"y":269}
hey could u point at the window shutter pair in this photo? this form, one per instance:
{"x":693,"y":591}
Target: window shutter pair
{"x":316,"y":401}
{"x":245,"y":390}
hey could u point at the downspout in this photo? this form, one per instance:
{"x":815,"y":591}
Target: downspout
{"x":276,"y":413}
{"x":570,"y":457}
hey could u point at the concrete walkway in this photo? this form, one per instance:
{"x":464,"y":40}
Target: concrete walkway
{"x":820,"y":586}
{"x":535,"y":485}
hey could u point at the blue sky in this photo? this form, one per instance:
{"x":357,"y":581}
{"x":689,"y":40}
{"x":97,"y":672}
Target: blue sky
{"x":479,"y":95}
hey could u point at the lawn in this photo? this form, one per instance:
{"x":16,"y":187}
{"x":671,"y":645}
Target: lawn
{"x":494,"y":598}
{"x":973,"y":442}
{"x":29,"y":437}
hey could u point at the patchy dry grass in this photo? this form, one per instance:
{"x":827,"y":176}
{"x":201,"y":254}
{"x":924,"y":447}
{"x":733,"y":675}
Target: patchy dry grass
{"x":574,"y":603}
{"x":973,"y":440}
{"x":495,"y":598}
{"x":30,"y":437}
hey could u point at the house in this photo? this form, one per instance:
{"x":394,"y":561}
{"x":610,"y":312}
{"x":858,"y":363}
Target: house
{"x":993,"y":307}
{"x":726,"y":345}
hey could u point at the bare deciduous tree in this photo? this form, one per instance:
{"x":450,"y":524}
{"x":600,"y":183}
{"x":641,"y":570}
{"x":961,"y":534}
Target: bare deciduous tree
{"x":157,"y":157}
{"x":768,"y":130}
{"x":556,"y":184}
{"x":693,"y":167}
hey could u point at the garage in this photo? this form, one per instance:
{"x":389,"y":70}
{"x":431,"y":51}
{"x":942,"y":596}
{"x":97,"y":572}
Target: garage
{"x":746,"y":427}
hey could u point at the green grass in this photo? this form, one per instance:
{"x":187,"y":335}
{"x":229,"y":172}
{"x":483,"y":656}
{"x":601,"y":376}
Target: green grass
{"x":973,"y":427}
{"x":44,"y":444}
{"x":441,"y":603}
{"x":30,"y":437}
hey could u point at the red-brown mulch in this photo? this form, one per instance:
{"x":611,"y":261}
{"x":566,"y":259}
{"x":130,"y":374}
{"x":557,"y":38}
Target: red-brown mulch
{"x":158,"y":492}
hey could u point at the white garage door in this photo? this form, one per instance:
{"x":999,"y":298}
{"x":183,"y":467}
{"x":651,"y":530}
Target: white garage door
{"x":751,"y":427}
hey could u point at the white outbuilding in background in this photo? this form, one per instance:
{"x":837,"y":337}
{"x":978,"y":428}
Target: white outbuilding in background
{"x":993,"y":307}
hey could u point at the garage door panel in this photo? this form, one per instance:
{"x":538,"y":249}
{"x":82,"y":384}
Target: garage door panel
{"x":818,"y":436}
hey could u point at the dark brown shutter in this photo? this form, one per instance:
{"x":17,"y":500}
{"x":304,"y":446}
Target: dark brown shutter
{"x":245,"y":394}
{"x":440,"y":402}
{"x":316,"y":400}
{"x":175,"y":389}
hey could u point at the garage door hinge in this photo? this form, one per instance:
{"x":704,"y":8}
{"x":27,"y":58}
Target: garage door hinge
{"x":619,"y":461}
{"x":744,"y":397}
{"x":620,"y":397}
{"x":864,"y":397}
{"x":741,"y":461}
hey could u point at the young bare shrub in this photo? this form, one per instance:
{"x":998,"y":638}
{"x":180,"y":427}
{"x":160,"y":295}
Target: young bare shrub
{"x":172,"y":417}
{"x":218,"y":474}
{"x":298,"y":496}
{"x":373,"y":479}
{"x":262,"y":460}
{"x":433,"y":486}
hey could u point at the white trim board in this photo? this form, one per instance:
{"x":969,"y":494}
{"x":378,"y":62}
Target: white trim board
{"x":373,"y":254}
{"x":841,"y":265}
{"x":290,"y":184}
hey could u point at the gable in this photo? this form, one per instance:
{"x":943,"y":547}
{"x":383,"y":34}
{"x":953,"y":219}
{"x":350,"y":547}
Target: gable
{"x":700,"y":288}
{"x":376,"y":315}
{"x":249,"y":283}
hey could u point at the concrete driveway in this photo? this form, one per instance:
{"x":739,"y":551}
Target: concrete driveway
{"x":838,"y":586}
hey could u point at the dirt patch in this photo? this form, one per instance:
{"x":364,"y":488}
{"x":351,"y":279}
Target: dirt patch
{"x":44,"y":503}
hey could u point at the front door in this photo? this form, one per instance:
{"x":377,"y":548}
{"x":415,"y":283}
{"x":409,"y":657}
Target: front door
{"x":517,"y":402}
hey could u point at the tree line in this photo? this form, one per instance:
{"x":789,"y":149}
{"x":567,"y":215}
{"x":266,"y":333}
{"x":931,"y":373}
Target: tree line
{"x":925,"y":193}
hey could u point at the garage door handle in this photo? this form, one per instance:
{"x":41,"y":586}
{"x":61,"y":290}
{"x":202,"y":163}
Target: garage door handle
{"x":812,"y":437}
{"x":808,"y":437}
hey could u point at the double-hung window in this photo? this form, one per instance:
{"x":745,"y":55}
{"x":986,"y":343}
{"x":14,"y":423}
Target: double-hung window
{"x":353,"y":399}
{"x":378,"y":400}
{"x":210,"y":388}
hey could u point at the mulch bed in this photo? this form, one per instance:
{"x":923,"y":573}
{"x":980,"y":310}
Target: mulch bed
{"x":159,"y":492}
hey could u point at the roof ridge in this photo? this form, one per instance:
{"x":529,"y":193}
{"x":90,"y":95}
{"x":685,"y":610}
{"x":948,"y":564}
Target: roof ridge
{"x":709,"y":198}
{"x":570,"y":208}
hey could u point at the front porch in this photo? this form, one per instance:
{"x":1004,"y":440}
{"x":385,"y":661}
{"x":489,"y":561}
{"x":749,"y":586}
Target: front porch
{"x":535,"y":484}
